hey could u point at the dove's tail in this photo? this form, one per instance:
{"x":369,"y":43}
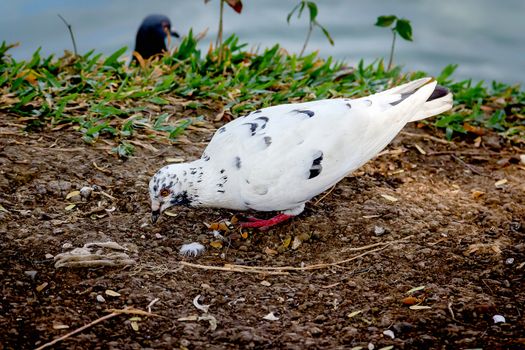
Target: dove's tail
{"x":438,"y":99}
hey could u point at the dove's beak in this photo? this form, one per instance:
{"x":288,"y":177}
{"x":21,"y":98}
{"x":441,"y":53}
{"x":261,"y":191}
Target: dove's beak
{"x":155,"y":216}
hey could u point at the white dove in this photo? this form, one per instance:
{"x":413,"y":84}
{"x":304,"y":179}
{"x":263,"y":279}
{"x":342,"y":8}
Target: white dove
{"x":278,"y":158}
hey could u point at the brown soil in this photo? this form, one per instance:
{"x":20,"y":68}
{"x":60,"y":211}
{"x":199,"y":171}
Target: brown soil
{"x":453,"y":232}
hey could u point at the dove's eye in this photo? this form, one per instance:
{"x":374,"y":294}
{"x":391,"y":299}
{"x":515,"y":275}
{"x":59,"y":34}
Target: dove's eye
{"x":164,"y":192}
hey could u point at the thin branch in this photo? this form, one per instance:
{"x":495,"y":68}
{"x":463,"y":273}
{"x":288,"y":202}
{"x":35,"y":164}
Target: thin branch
{"x":279,"y":270}
{"x":70,"y":33}
{"x":310,"y":29}
{"x":391,"y":59}
{"x":78,"y":330}
{"x":114,"y":312}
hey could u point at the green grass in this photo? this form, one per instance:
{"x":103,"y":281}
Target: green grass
{"x":104,"y":97}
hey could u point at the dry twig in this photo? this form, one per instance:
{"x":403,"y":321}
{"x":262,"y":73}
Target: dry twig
{"x":281,"y":270}
{"x":114,"y":312}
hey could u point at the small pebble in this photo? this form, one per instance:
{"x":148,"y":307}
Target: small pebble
{"x":371,"y":346}
{"x":31,"y":273}
{"x":379,"y":231}
{"x":158,"y":235}
{"x":100,"y":299}
{"x":85,"y":192}
{"x":49,"y":256}
{"x":509,"y":261}
{"x":67,"y":245}
{"x":389,"y":333}
{"x":498,"y":319}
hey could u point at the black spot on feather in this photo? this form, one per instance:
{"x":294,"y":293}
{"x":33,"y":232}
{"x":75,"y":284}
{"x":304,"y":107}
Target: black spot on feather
{"x":253,"y":127}
{"x":309,"y":113}
{"x":238,"y":162}
{"x":221,"y":130}
{"x":267,"y":140}
{"x":265,"y":121}
{"x":349,"y":105}
{"x":316,"y":167}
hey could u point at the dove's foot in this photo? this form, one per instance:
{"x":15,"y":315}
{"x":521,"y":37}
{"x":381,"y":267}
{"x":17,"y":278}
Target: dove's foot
{"x":262,"y":224}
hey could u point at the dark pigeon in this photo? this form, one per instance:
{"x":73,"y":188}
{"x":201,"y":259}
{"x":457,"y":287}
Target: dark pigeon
{"x":151,"y":35}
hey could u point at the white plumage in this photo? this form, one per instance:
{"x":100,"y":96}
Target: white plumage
{"x":278,"y":158}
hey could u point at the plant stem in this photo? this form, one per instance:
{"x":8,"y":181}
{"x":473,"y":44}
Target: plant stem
{"x":70,"y":33}
{"x":218,"y":43}
{"x":392,"y":51}
{"x":307,"y":39}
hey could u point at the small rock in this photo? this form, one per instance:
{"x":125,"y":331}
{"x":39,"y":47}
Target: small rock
{"x":371,"y":346}
{"x":509,"y":261}
{"x":266,"y":283}
{"x":315,"y":331}
{"x":100,"y":299}
{"x":85,"y":192}
{"x":49,"y":256}
{"x":379,"y":230}
{"x":67,"y":245}
{"x":30,"y":273}
{"x":158,"y":235}
{"x":389,"y":333}
{"x":498,"y":319}
{"x":320,"y":319}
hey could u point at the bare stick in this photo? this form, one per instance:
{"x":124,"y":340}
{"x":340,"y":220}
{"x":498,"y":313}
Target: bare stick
{"x":70,"y":33}
{"x":276,"y":270}
{"x":78,"y":330}
{"x":114,"y":312}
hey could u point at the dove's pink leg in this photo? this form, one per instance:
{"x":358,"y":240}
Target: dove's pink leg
{"x":259,"y":223}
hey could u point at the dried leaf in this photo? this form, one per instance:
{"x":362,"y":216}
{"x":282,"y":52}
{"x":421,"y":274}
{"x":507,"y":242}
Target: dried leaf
{"x":70,"y":207}
{"x":3,"y":209}
{"x":389,"y":198}
{"x":134,"y":326}
{"x":60,"y":326}
{"x":500,"y":182}
{"x":287,"y":241}
{"x":266,"y":283}
{"x":41,"y":287}
{"x":415,"y":289}
{"x":354,"y":313}
{"x":420,"y":307}
{"x":475,"y":194}
{"x":112,"y":293}
{"x":410,"y":300}
{"x":296,"y":242}
{"x":216,"y":244}
{"x":236,"y":5}
{"x":270,"y":251}
{"x":169,"y":213}
{"x":473,"y":129}
{"x":73,"y":194}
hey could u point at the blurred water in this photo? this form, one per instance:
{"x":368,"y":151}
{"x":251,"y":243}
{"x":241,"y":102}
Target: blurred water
{"x":485,"y":37}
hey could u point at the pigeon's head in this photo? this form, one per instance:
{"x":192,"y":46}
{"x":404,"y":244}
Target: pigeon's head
{"x":167,"y":188}
{"x":151,"y":34}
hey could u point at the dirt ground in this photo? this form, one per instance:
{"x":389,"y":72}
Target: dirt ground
{"x":448,"y":217}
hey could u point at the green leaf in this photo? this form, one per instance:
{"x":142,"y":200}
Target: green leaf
{"x":292,"y":12}
{"x":111,"y":60}
{"x":385,"y":21}
{"x":325,"y":32}
{"x":312,"y":7}
{"x":404,"y":29}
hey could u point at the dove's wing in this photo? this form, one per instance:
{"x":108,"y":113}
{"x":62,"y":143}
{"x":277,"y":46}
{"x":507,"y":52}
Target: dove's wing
{"x":279,"y":157}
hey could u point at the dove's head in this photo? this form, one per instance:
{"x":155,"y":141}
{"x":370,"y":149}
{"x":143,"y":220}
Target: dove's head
{"x":168,"y":187}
